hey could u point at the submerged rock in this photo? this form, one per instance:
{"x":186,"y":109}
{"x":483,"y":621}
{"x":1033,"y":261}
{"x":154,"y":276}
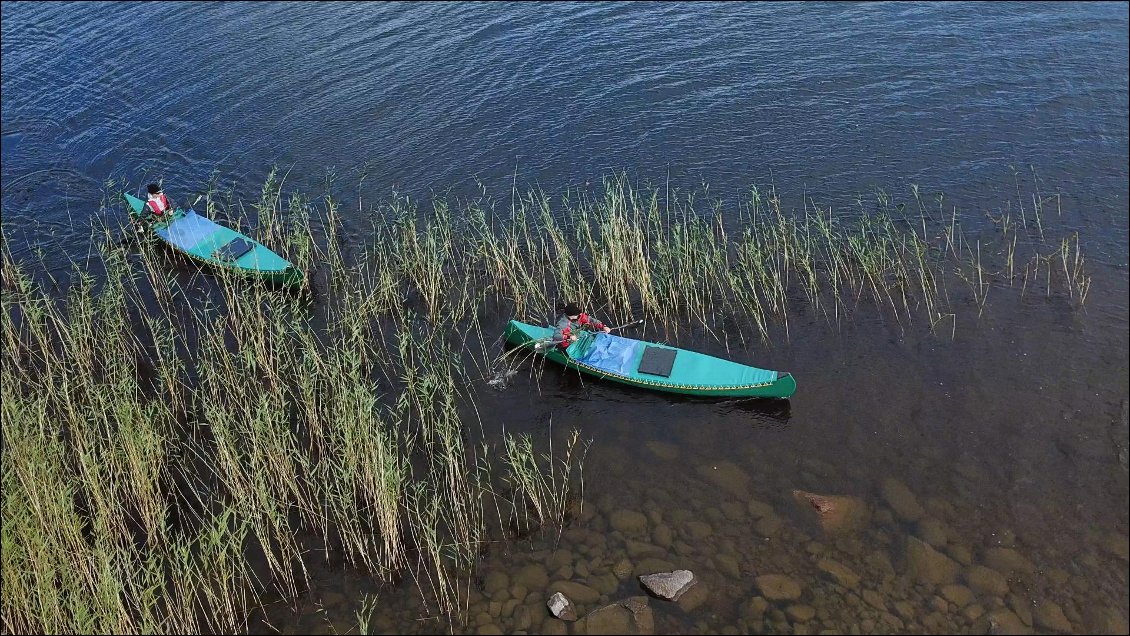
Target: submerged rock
{"x":834,"y":513}
{"x":561,"y":607}
{"x":622,"y":569}
{"x":1117,"y":544}
{"x":695,"y":596}
{"x":768,"y":526}
{"x":1048,"y":615}
{"x":618,"y":618}
{"x":758,"y":509}
{"x":663,"y":450}
{"x":987,"y":581}
{"x":573,"y":590}
{"x":933,"y":532}
{"x":902,"y":500}
{"x":532,"y":577}
{"x":669,"y":585}
{"x":727,"y":476}
{"x":926,"y":565}
{"x":778,"y":587}
{"x":839,"y":573}
{"x":1106,"y":620}
{"x":641,"y":613}
{"x":629,"y":522}
{"x":1003,"y":621}
{"x":1008,"y":561}
{"x":959,"y":595}
{"x":801,"y":613}
{"x":553,"y":627}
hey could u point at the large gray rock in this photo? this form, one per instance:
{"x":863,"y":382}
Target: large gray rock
{"x":669,"y":585}
{"x":561,"y":607}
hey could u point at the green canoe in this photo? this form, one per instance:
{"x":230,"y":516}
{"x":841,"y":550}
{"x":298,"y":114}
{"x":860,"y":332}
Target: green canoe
{"x":203,"y":240}
{"x":655,"y":366}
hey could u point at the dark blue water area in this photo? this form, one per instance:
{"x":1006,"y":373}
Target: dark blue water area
{"x":832,"y":100}
{"x":1014,"y":420}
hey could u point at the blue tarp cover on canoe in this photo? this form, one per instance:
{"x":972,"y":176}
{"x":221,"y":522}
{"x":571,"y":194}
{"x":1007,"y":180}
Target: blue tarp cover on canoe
{"x":612,"y":353}
{"x":187,"y":231}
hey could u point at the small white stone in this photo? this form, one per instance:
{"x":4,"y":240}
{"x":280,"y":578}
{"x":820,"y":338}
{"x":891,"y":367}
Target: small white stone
{"x":562,"y":607}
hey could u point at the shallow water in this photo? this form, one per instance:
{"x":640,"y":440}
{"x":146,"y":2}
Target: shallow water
{"x":1010,"y":431}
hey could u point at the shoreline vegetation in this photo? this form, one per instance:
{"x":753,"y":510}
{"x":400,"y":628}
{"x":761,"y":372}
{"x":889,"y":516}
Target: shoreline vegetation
{"x":174,"y":457}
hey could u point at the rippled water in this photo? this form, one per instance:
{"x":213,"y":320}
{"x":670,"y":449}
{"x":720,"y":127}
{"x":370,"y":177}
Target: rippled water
{"x":1008,"y":434}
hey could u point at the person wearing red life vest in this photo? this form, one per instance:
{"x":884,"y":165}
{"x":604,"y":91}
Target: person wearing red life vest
{"x":158,"y":204}
{"x":571,"y":322}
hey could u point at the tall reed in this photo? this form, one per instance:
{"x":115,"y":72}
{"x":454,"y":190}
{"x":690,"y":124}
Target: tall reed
{"x":179,"y":445}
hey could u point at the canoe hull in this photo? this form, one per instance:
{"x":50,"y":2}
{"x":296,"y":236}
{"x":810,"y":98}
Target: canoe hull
{"x":731,"y":379}
{"x":200,"y":239}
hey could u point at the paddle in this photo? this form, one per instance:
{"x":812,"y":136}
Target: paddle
{"x":634,"y":323}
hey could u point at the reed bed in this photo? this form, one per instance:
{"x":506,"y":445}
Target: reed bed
{"x":176,"y":454}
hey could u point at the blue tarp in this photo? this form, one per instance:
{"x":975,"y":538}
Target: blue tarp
{"x":187,"y":231}
{"x":612,"y":353}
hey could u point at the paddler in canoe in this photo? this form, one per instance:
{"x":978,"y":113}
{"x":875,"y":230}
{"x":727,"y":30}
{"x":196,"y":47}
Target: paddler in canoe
{"x":570,"y":323}
{"x":158,"y":204}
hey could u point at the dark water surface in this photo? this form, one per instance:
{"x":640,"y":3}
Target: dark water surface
{"x":1010,"y":436}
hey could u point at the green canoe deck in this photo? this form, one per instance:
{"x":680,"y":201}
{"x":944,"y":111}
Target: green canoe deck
{"x":210,"y":243}
{"x":671,"y":369}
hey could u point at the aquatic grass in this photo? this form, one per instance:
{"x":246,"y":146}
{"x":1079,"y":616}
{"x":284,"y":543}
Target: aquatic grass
{"x":174,"y":440}
{"x":543,"y":481}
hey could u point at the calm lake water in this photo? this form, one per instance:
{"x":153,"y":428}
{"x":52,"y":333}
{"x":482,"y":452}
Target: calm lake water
{"x":1011,"y":435}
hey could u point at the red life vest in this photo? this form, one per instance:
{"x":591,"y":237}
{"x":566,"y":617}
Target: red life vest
{"x":159,"y":204}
